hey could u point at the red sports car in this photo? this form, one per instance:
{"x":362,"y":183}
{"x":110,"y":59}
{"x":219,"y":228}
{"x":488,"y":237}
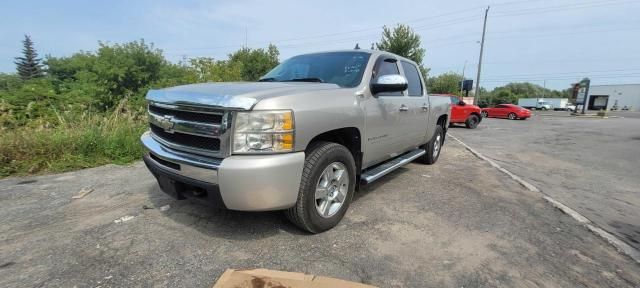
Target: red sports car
{"x":510,"y":111}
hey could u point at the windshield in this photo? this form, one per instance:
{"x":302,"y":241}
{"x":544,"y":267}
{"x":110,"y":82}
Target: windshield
{"x":342,"y":68}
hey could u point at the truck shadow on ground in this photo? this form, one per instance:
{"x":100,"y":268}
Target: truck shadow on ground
{"x":221,"y":223}
{"x":370,"y":189}
{"x":237,"y":225}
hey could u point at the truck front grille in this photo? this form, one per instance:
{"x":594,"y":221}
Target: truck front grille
{"x":190,"y":130}
{"x":199,"y":142}
{"x":187,"y":115}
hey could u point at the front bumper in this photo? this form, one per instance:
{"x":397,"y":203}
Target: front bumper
{"x":243,"y":182}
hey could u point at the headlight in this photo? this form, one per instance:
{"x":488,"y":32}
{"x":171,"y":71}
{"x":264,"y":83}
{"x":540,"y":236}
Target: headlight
{"x":263,"y":131}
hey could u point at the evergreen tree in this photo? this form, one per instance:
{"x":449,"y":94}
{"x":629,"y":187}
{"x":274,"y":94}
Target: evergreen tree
{"x":28,"y":65}
{"x":403,"y":41}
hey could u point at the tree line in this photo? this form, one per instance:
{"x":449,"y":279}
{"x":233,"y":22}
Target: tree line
{"x":98,"y":81}
{"x":449,"y":83}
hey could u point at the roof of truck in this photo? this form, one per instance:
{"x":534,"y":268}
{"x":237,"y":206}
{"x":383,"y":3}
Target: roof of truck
{"x":372,"y":52}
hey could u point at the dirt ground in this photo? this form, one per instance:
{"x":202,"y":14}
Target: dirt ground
{"x":459,"y":223}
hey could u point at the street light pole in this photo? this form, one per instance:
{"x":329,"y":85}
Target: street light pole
{"x":484,"y":31}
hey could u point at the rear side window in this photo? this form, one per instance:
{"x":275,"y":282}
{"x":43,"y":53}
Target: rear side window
{"x":413,"y":77}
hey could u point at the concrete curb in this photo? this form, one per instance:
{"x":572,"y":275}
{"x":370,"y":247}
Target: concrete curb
{"x":610,"y":238}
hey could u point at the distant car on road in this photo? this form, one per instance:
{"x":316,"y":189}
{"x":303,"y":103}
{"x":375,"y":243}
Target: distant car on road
{"x":510,"y":111}
{"x":463,"y":113}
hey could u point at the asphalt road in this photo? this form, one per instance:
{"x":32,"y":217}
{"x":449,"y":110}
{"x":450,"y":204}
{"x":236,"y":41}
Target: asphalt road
{"x":455,"y":224}
{"x":590,"y":164}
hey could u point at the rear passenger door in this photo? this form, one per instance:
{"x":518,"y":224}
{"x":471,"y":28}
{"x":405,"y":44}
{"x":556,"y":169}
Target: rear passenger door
{"x":416,"y":117}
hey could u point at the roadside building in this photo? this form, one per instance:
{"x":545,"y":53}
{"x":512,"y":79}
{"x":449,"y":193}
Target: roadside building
{"x":614,"y":97}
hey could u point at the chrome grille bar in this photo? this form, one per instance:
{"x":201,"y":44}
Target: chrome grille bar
{"x":171,"y":124}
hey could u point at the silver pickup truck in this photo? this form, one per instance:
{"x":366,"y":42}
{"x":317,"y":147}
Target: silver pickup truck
{"x":302,"y":139}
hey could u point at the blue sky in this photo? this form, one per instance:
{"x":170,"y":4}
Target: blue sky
{"x":557,"y":42}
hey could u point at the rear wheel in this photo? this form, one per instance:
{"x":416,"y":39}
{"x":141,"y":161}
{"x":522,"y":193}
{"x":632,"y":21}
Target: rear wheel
{"x":326,"y":189}
{"x":513,"y":116}
{"x":484,"y":114}
{"x":472,"y":121}
{"x":433,"y":147}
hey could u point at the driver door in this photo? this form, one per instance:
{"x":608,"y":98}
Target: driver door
{"x":383,"y":139}
{"x":456,"y":110}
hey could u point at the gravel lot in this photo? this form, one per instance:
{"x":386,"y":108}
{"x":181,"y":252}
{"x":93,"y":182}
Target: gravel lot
{"x":590,"y":164}
{"x":459,"y":223}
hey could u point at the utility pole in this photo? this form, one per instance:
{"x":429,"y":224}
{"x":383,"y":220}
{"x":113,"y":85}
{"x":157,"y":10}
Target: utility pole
{"x":246,"y":34}
{"x":484,"y":30}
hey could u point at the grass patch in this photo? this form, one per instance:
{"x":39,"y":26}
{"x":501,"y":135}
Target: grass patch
{"x":77,"y":141}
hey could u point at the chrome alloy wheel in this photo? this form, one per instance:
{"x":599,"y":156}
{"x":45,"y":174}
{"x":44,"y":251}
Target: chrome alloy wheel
{"x":436,"y":145}
{"x":331,"y":190}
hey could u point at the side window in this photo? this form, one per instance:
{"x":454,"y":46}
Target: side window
{"x":386,"y":66}
{"x":501,"y":106}
{"x":413,"y":77}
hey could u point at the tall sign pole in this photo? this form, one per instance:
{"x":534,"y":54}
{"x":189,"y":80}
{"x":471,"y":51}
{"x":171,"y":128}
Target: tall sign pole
{"x":583,"y":94}
{"x":484,"y":30}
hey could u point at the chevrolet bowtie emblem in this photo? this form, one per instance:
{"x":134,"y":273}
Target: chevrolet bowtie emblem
{"x":167,"y":123}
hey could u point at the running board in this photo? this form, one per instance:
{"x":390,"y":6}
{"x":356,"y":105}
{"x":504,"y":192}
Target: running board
{"x":385,"y":168}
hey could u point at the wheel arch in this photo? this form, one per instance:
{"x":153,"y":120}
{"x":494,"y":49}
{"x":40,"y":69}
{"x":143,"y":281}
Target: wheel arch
{"x":442,"y":121}
{"x":349,"y":137}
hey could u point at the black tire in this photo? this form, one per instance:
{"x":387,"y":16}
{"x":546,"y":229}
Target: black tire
{"x":430,"y":157}
{"x":484,"y":114}
{"x":513,"y":116}
{"x":472,"y":121}
{"x":304,"y":214}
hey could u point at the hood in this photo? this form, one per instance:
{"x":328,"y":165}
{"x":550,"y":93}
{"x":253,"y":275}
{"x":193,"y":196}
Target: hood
{"x":231,"y":95}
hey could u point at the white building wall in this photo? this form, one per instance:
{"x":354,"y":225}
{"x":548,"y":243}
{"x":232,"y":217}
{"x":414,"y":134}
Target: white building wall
{"x":625,"y":94}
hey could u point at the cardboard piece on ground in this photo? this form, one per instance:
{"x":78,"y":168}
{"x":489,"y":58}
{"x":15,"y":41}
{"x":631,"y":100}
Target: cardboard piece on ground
{"x":264,"y":278}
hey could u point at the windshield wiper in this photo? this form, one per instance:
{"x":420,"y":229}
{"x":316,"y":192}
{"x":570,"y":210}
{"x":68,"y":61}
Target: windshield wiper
{"x":309,"y":79}
{"x":268,"y":79}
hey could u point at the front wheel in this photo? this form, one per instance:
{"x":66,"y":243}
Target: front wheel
{"x":472,"y":122}
{"x":433,"y":147}
{"x":326,"y":189}
{"x":513,"y":116}
{"x":484,"y":114}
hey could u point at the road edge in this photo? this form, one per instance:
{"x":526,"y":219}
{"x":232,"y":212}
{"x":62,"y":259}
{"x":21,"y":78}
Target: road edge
{"x":618,"y":244}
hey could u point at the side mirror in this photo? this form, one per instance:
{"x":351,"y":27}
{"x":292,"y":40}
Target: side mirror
{"x":389,"y":83}
{"x":461,"y":103}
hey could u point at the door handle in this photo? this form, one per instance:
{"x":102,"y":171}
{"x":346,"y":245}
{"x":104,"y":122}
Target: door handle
{"x":404,"y":108}
{"x":425,"y":107}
